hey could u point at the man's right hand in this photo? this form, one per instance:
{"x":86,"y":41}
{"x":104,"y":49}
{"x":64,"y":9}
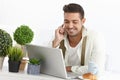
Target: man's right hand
{"x":59,"y":36}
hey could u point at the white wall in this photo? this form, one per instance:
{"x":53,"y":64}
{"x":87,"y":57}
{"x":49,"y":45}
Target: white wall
{"x":46,"y":15}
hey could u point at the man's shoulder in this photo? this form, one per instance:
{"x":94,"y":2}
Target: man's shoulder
{"x":92,"y":34}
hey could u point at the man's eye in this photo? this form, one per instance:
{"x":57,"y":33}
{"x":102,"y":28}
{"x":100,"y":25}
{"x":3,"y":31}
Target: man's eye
{"x":66,"y":22}
{"x":75,"y":22}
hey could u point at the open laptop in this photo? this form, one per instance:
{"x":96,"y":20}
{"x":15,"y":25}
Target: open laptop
{"x":53,"y":61}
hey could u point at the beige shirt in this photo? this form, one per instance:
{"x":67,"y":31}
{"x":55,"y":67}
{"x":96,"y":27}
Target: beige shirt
{"x":95,"y":52}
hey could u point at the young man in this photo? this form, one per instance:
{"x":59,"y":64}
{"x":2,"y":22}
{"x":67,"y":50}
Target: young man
{"x":81,"y":46}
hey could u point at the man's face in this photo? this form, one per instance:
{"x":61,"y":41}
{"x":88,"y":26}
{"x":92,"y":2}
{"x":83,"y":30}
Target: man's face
{"x":73,"y":23}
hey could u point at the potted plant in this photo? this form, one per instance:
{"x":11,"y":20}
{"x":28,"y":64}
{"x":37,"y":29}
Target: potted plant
{"x":23,"y":35}
{"x":5,"y":43}
{"x":15,"y":56}
{"x":34,"y":66}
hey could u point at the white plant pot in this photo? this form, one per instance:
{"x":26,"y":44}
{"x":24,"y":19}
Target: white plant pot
{"x":1,"y":62}
{"x":24,"y":50}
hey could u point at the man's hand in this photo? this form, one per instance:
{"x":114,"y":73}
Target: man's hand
{"x":59,"y":36}
{"x":68,"y":69}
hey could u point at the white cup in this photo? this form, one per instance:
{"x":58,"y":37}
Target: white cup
{"x":92,"y":68}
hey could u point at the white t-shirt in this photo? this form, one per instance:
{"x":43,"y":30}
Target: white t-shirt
{"x":72,"y":55}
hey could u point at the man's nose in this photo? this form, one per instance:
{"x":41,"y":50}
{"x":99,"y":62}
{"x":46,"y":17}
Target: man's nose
{"x":70,"y":25}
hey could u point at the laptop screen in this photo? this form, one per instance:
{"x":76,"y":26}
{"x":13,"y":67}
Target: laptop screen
{"x":53,"y":59}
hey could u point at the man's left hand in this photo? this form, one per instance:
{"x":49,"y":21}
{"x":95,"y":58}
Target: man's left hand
{"x":68,"y":69}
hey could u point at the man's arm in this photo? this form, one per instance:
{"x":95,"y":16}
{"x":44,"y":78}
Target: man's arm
{"x":98,"y":53}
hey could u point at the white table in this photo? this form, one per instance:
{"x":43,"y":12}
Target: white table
{"x":5,"y":75}
{"x":20,"y":76}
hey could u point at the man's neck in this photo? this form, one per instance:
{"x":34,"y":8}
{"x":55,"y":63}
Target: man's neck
{"x":74,"y":40}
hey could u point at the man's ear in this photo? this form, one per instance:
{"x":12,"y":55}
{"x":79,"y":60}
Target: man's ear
{"x":83,"y":20}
